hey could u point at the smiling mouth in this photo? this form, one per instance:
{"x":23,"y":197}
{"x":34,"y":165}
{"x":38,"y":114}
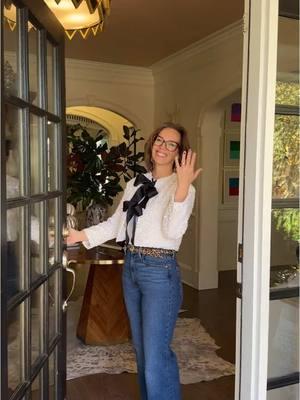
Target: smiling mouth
{"x":160,"y":154}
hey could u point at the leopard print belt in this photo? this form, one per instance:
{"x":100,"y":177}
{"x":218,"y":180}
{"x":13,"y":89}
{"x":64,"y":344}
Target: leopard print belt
{"x":150,"y":251}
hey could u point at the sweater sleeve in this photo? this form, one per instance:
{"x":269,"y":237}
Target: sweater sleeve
{"x":106,"y":230}
{"x":177,"y":214}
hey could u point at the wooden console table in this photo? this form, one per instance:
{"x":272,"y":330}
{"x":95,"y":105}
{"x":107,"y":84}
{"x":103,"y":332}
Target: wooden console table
{"x":103,"y":318}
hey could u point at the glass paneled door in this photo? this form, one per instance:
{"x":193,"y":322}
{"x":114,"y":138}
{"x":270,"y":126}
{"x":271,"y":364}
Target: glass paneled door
{"x":268,"y":254}
{"x":32,"y":203}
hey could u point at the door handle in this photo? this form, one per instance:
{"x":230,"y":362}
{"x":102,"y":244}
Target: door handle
{"x":66,"y":265}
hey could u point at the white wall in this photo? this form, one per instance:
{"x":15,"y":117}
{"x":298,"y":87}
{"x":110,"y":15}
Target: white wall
{"x":126,"y":90}
{"x":189,"y":87}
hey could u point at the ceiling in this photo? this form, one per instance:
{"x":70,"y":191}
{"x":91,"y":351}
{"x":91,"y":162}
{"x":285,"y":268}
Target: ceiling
{"x":142,"y":32}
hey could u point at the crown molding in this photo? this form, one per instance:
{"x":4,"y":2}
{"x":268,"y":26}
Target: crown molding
{"x":196,"y":49}
{"x":107,"y":72}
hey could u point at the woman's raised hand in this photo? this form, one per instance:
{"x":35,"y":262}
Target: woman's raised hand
{"x":75,"y":236}
{"x":186,"y":173}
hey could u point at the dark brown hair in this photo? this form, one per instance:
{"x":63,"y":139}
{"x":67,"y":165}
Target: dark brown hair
{"x":183,"y":146}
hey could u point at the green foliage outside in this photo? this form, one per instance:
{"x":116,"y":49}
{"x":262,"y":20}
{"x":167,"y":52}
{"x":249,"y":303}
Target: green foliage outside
{"x":286,"y":161}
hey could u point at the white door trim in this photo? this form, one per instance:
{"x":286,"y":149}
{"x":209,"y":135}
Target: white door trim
{"x":258,"y":94}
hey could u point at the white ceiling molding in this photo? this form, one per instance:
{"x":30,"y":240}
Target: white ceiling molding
{"x":121,"y":74}
{"x":216,"y":39}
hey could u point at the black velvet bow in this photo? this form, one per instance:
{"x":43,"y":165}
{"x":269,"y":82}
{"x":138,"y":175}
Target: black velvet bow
{"x":138,"y":202}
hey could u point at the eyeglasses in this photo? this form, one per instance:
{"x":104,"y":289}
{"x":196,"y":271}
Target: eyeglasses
{"x":169,"y":144}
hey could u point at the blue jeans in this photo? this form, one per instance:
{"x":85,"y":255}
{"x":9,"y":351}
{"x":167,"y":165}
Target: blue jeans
{"x":153,"y":295}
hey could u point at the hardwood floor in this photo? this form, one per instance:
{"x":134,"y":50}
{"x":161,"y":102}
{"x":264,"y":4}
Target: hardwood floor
{"x":216,"y":310}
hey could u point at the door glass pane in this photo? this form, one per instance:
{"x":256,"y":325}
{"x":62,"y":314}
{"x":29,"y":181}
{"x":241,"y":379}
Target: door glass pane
{"x":34,"y":87}
{"x":36,"y":323}
{"x":53,"y":165}
{"x":36,"y":389}
{"x":284,"y":393}
{"x":283,"y":337}
{"x":286,"y":157}
{"x":11,"y":56}
{"x":287,"y":90}
{"x":15,"y":349}
{"x":35,"y":240}
{"x":13,"y":125}
{"x":52,"y":228}
{"x":50,"y":76}
{"x":36,"y":153}
{"x":15,"y":256}
{"x":284,"y":246}
{"x":52,"y":376}
{"x":53,"y":306}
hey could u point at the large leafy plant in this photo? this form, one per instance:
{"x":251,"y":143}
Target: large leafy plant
{"x":94,"y":170}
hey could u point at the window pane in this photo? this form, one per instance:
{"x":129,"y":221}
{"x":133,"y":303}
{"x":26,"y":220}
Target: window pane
{"x":283,"y":337}
{"x":11,"y":56}
{"x":287,"y":90}
{"x":50,"y":76}
{"x":36,"y":388}
{"x":53,"y":163}
{"x":13,"y":152}
{"x":15,"y":256}
{"x":35,"y":240}
{"x":52,"y":376}
{"x":285,"y":393}
{"x":287,"y":93}
{"x":36,"y":154}
{"x":284,"y":246}
{"x":52,"y":229}
{"x":36,"y":323}
{"x":34,"y":87}
{"x":53,"y":305}
{"x":286,"y":157}
{"x":15,"y":349}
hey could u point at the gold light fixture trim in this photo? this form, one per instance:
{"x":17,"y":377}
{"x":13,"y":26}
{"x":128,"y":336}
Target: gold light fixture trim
{"x":83,"y":16}
{"x":10,"y":16}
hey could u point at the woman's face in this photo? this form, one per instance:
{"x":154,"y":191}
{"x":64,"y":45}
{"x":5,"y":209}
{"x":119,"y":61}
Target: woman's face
{"x":166,"y":147}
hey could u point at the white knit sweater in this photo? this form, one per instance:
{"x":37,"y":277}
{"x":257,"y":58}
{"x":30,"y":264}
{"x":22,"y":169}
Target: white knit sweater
{"x":162,"y":224}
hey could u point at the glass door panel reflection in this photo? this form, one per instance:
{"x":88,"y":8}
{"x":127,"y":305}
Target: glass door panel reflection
{"x":36,"y":240}
{"x":52,"y":231}
{"x":15,"y":349}
{"x":33,"y":57}
{"x":52,"y":376}
{"x":51,"y":77}
{"x":36,"y":388}
{"x":283,"y":337}
{"x":284,"y":393}
{"x":53,"y":305}
{"x":36,"y":126}
{"x":284,"y":247}
{"x":15,"y":255}
{"x":52,"y":144}
{"x":13,"y":123}
{"x":36,"y":323}
{"x":11,"y":50}
{"x":286,"y":157}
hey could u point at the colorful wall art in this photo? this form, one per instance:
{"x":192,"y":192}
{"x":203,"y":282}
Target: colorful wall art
{"x":231,"y":149}
{"x":231,"y":186}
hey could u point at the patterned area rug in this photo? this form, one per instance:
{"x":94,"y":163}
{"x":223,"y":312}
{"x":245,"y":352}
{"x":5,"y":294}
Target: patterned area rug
{"x":195,"y":350}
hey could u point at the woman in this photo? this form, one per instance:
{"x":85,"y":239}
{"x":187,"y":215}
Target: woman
{"x":152,"y":218}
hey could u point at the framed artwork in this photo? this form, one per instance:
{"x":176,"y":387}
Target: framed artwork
{"x":233,"y":115}
{"x":231,"y":186}
{"x":231,"y":149}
